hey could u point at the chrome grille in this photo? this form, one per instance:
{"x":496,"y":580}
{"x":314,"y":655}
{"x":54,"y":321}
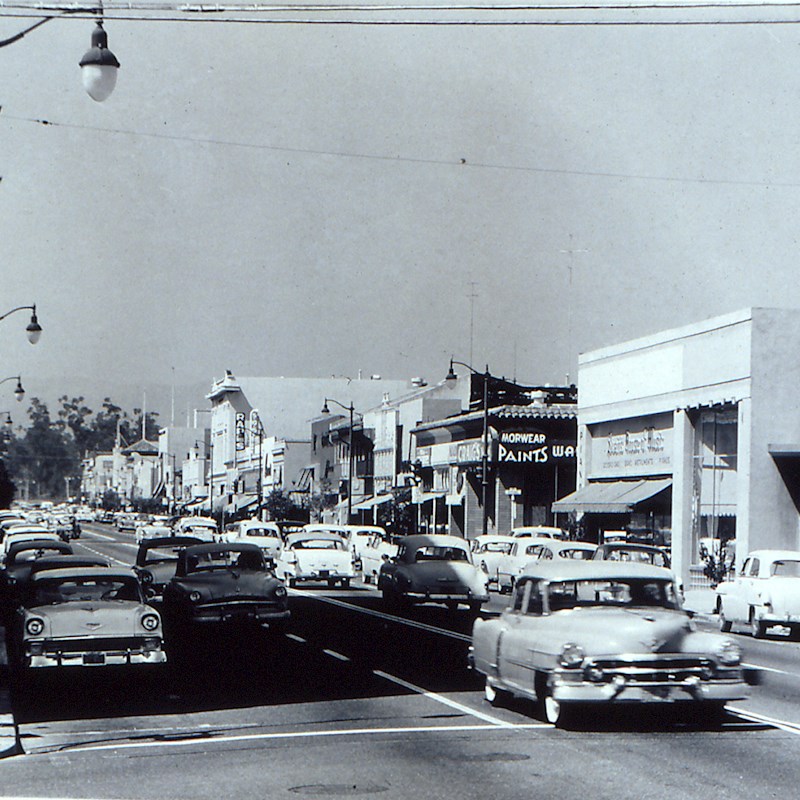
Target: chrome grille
{"x":650,"y":669}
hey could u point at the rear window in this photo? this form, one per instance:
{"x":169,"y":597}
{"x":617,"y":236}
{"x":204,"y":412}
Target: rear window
{"x":786,"y":569}
{"x":431,"y":553}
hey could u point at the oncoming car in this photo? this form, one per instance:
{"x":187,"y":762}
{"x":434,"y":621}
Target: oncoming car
{"x":596,"y":633}
{"x":433,"y":569}
{"x":315,"y":556}
{"x":86,"y":616}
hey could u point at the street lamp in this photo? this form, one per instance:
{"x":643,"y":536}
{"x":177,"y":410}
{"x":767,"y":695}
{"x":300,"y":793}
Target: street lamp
{"x":350,"y":410}
{"x":450,"y":379}
{"x":19,"y":392}
{"x":98,"y":66}
{"x":34,"y":329}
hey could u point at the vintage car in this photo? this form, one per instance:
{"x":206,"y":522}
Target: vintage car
{"x":628,"y":551}
{"x":152,"y":532}
{"x":433,"y":568}
{"x":127,"y":522}
{"x":509,"y":565}
{"x":156,"y":561}
{"x":85,"y":616}
{"x":581,"y":634}
{"x":265,"y":535}
{"x":556,"y":550}
{"x":204,"y":528}
{"x":356,"y":536}
{"x":226,"y":584}
{"x":765,"y":593}
{"x":489,"y":551}
{"x":25,"y":533}
{"x":379,"y":549}
{"x":311,"y":556}
{"x":19,"y":559}
{"x":537,"y":532}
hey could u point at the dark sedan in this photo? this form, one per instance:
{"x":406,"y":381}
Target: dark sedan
{"x":156,"y":561}
{"x":224,"y":584}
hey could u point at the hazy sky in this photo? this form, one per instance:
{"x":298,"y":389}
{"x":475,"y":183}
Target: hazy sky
{"x":316,"y":200}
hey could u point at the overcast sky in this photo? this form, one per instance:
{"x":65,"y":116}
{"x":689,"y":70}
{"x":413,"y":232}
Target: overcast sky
{"x":319,"y":200}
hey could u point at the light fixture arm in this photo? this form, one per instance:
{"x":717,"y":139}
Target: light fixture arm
{"x":350,"y":454}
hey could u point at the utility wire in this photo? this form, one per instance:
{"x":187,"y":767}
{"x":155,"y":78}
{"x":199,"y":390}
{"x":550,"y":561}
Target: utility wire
{"x":461,"y":163}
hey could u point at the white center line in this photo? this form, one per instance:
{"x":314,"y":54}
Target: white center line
{"x":294,"y":637}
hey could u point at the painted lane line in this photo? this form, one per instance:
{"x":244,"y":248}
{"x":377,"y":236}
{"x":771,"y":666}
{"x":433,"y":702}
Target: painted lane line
{"x":444,"y":700}
{"x":772,"y":669}
{"x":382,"y":615}
{"x":788,"y":727}
{"x":106,"y":556}
{"x":194,"y":741}
{"x":294,"y":637}
{"x":334,"y":654}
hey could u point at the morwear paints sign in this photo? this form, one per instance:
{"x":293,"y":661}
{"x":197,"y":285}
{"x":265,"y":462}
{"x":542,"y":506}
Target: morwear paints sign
{"x":533,"y":447}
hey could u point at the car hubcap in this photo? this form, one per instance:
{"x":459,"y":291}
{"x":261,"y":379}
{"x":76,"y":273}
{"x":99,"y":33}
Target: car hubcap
{"x":552,"y":710}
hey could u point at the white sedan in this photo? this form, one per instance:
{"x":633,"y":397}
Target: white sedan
{"x":315,"y":556}
{"x":765,"y":593}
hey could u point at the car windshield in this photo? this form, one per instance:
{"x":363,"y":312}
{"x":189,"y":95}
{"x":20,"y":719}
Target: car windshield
{"x":653,"y":557}
{"x":576,"y":552}
{"x":786,"y":569}
{"x":497,"y":547}
{"x":625,"y":592}
{"x":223,"y":559}
{"x":432,"y":553}
{"x":160,"y":555}
{"x":319,"y":544}
{"x":84,"y":589}
{"x":261,"y":532}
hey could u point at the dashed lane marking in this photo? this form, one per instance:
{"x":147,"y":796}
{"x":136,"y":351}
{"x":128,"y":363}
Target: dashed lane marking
{"x":334,"y":654}
{"x":772,"y":669}
{"x":382,"y":615}
{"x":445,"y":700}
{"x":752,"y":716}
{"x":295,"y":638}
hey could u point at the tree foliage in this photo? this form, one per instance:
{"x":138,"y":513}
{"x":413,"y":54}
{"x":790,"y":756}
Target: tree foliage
{"x":44,"y":458}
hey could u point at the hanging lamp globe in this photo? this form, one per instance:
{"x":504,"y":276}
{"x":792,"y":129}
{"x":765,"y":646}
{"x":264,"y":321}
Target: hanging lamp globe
{"x":99,"y":66}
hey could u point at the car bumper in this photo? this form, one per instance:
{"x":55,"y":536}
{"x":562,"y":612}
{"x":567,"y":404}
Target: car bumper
{"x":92,"y":658}
{"x":445,"y":597}
{"x":222,"y":614}
{"x":620,"y":691}
{"x":324,"y":575}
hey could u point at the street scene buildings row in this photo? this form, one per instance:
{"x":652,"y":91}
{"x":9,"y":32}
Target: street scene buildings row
{"x":685,"y":437}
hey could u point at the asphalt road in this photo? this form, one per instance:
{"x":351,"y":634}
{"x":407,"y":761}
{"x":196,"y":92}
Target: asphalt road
{"x":353,"y":702}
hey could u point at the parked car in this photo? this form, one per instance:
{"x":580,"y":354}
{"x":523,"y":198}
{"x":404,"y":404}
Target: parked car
{"x":126,"y":522}
{"x":765,"y":593}
{"x":556,"y":550}
{"x":25,"y":533}
{"x":224,"y":583}
{"x":311,"y":556}
{"x":156,"y":561}
{"x":489,"y":551}
{"x":380,"y":548}
{"x":509,"y":565}
{"x":538,"y":532}
{"x":204,"y":528}
{"x":433,"y":569}
{"x":86,"y":616}
{"x":624,"y":551}
{"x":587,"y":634}
{"x":265,"y":535}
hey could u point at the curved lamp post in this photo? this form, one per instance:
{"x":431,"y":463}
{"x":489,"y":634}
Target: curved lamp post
{"x":33,"y":329}
{"x":99,"y":65}
{"x":209,"y":447}
{"x":19,"y":392}
{"x":351,"y":411}
{"x":451,"y":378}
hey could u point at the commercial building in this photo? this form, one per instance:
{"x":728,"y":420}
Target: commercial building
{"x":694,"y":434}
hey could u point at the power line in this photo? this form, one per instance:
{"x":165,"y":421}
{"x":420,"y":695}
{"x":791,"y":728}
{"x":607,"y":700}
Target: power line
{"x":460,"y":163}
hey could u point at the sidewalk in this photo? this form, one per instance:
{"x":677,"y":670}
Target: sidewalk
{"x":9,"y":737}
{"x":701,"y":601}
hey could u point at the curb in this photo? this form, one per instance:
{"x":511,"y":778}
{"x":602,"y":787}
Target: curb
{"x":9,"y":732}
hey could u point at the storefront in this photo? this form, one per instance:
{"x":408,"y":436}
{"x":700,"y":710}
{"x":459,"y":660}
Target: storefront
{"x":691,"y":438}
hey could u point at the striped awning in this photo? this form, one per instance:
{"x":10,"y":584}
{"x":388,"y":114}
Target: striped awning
{"x":612,"y":497}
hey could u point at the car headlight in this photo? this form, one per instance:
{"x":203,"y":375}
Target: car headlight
{"x":194,"y":597}
{"x":280,"y":591}
{"x":34,"y":626}
{"x":729,"y":653}
{"x":571,"y":656}
{"x":146,"y":577}
{"x":150,"y":622}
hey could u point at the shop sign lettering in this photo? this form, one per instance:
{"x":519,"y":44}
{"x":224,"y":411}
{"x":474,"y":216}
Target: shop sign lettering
{"x":532,"y":447}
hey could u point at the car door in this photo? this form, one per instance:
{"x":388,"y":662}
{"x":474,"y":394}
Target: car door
{"x":737,"y":603}
{"x":516,"y":645}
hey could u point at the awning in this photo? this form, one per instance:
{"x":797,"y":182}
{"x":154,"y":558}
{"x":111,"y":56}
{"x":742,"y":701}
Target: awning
{"x":245,"y":501}
{"x":613,"y":497}
{"x":371,"y":502}
{"x":198,"y":504}
{"x":418,"y":496}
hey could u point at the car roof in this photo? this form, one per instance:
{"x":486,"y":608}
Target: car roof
{"x":34,"y":544}
{"x":305,"y":536}
{"x":169,"y":541}
{"x":775,"y":554}
{"x":433,"y":540}
{"x":496,"y":537}
{"x":571,"y":570}
{"x":49,"y":563}
{"x":649,"y":548}
{"x":86,"y":572}
{"x":216,"y":547}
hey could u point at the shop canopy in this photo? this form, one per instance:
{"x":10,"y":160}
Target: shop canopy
{"x":612,"y":497}
{"x":370,"y":502}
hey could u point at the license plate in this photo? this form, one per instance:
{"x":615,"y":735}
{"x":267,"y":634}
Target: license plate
{"x":324,"y":573}
{"x":94,"y":658}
